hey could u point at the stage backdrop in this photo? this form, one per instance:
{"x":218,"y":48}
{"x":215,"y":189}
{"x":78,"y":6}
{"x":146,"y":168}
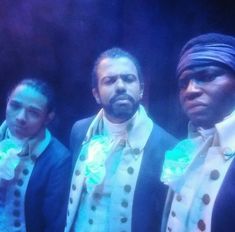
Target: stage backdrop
{"x":60,"y":39}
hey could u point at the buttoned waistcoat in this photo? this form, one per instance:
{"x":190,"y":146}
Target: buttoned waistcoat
{"x":149,"y":194}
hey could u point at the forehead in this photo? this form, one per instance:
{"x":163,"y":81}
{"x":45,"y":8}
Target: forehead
{"x":192,"y":72}
{"x":29,"y":97}
{"x":116,"y":66}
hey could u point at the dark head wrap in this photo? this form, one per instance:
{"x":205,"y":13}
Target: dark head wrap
{"x":208,"y":49}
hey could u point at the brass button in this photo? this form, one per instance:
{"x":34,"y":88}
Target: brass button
{"x":178,"y":197}
{"x":77,"y":173}
{"x":130,"y":170}
{"x":136,"y":151}
{"x":123,"y":220}
{"x":17,"y":223}
{"x":124,"y":204}
{"x":25,"y":171}
{"x":93,"y":208}
{"x":127,"y":188}
{"x":214,"y":175}
{"x":20,"y":182}
{"x":206,"y":199}
{"x":201,"y":225}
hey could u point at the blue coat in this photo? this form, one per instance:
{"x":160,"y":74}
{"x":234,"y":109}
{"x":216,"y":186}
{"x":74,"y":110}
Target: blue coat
{"x":47,"y":191}
{"x":150,"y":193}
{"x":223,"y":216}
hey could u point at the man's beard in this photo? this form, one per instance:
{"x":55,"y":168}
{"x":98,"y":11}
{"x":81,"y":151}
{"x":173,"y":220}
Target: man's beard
{"x":121,"y":111}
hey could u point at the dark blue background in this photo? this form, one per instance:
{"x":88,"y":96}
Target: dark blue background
{"x":60,"y":39}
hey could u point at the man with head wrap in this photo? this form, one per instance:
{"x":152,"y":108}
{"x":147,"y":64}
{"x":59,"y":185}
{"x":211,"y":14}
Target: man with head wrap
{"x":200,"y":170}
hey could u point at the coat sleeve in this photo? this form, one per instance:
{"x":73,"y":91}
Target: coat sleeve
{"x":56,"y":195}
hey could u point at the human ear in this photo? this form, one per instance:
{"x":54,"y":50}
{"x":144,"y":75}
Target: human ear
{"x":96,"y":95}
{"x":141,"y":90}
{"x":50,"y":117}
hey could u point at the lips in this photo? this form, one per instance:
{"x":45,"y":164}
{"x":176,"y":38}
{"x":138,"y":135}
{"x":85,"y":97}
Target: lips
{"x":194,"y":106}
{"x":124,"y":98}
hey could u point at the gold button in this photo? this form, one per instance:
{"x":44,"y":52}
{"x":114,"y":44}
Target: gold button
{"x":77,"y":172}
{"x":123,"y":220}
{"x":25,"y":171}
{"x":17,"y":223}
{"x":201,"y":225}
{"x":127,"y":188}
{"x":206,"y":199}
{"x":130,"y":170}
{"x":124,"y":204}
{"x":214,"y":175}
{"x":178,"y":197}
{"x":20,"y":182}
{"x":136,"y":151}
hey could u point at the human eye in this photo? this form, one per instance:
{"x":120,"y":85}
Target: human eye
{"x":108,"y":80}
{"x":183,"y":83}
{"x":209,"y":74}
{"x":129,"y":78}
{"x":206,"y":77}
{"x":14,"y":105}
{"x":35,"y":113}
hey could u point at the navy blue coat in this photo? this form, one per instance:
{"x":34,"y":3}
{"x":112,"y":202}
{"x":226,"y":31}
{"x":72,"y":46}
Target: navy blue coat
{"x":47,"y":191}
{"x":150,"y":193}
{"x":223,"y":216}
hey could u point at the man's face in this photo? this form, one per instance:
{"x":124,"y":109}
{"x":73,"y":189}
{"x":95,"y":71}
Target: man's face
{"x":118,"y":88}
{"x":26,"y":112}
{"x":207,"y":94}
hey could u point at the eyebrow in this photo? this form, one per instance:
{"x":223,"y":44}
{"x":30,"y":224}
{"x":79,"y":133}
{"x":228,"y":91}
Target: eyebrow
{"x":31,"y":107}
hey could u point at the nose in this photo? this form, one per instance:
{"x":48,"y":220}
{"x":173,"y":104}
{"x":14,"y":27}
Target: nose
{"x":21,"y":116}
{"x":120,"y":85}
{"x":193,"y":89}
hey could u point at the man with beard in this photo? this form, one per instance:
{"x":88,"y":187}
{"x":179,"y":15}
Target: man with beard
{"x":200,"y":170}
{"x":117,"y":155}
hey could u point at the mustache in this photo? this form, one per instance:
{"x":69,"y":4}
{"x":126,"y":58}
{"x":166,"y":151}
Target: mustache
{"x":121,"y":97}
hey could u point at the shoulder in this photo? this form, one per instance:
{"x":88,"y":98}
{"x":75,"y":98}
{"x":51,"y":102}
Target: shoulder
{"x":161,"y":137}
{"x":78,"y":133}
{"x":57,"y":150}
{"x":162,"y":133}
{"x":82,"y":124}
